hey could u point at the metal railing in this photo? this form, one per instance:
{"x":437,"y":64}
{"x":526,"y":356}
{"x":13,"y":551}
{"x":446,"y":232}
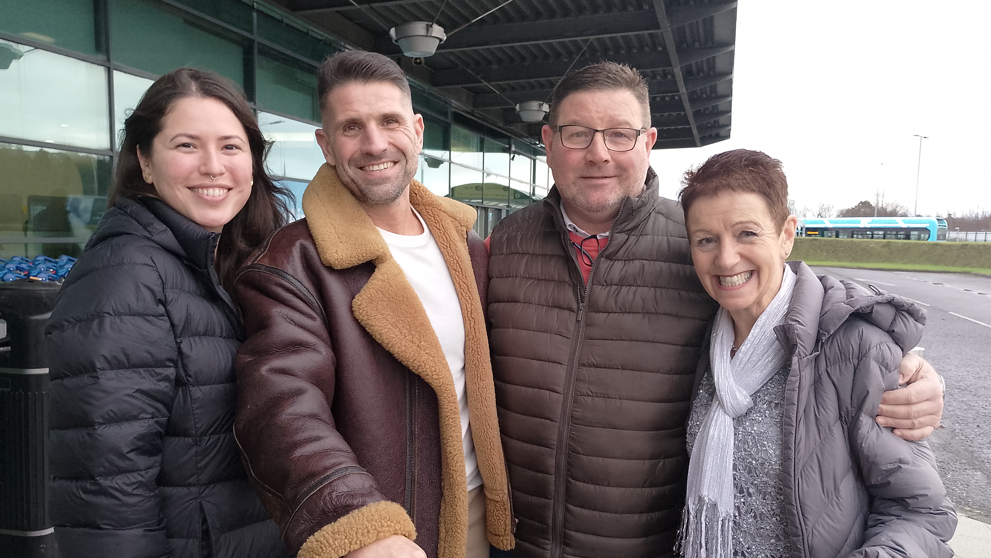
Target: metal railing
{"x":968,"y":236}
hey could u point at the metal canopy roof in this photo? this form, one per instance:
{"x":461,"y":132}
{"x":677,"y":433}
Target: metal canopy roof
{"x":519,"y":51}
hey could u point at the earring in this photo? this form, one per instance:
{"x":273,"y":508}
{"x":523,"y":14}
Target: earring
{"x":147,"y":178}
{"x":252,"y":183}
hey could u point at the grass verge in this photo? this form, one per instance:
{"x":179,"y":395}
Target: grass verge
{"x":904,"y":267}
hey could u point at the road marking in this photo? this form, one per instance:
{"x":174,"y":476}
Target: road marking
{"x":875,"y":282}
{"x":971,"y":319}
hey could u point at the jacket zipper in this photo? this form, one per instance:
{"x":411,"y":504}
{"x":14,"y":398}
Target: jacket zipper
{"x":410,"y":500}
{"x":564,"y":428}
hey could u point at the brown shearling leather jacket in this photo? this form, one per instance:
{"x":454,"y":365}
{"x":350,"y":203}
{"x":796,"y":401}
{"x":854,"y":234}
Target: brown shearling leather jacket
{"x":347,"y":417}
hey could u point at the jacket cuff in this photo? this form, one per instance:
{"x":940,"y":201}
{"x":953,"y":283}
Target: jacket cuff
{"x":358,"y":529}
{"x":498,"y":514}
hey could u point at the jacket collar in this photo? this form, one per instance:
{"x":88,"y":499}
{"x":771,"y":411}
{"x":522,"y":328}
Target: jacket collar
{"x":820,"y":305}
{"x":196,"y":243}
{"x":156,"y":220}
{"x":631,"y":214}
{"x":389,"y":310}
{"x":344,"y":234}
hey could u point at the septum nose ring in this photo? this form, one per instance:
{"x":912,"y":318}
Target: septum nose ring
{"x":213,"y":178}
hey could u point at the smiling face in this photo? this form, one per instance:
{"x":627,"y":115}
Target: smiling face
{"x":200,"y":138}
{"x":372,"y":137}
{"x":739,"y":251}
{"x":594,"y":181}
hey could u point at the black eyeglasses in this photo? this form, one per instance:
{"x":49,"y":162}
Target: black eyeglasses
{"x":587,"y":258}
{"x":580,"y":137}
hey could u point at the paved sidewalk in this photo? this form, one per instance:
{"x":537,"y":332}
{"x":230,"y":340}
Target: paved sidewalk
{"x":972,"y":539}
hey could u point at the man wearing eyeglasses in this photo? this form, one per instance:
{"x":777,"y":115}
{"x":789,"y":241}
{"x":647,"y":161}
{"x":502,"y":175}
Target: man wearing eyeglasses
{"x":596,"y":319}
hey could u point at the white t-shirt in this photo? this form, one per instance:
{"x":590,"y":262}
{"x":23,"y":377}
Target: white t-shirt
{"x":425,"y":269}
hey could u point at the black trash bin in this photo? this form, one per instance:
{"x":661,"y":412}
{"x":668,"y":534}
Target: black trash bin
{"x":25,"y":530}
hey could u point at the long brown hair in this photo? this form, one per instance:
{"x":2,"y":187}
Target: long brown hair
{"x":267,"y":207}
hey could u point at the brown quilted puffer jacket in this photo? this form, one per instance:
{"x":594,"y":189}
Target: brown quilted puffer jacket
{"x":593,"y":381}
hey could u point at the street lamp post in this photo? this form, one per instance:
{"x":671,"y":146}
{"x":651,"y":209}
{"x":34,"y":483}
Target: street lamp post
{"x":918,"y":167}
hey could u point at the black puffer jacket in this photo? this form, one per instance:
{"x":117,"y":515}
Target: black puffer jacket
{"x":142,"y":343}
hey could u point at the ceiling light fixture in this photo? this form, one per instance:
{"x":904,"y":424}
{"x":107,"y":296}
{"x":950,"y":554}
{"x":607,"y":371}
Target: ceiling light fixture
{"x":533,"y":111}
{"x":418,"y":39}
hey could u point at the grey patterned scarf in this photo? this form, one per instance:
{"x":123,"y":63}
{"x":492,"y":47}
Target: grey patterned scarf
{"x":707,"y":522}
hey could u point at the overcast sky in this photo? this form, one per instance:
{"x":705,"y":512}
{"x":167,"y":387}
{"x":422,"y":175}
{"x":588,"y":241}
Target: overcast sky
{"x":836,"y":90}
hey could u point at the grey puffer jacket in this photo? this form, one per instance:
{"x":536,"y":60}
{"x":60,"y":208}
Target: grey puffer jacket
{"x":851,"y":487}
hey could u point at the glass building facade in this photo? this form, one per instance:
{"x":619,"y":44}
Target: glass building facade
{"x":71,"y":69}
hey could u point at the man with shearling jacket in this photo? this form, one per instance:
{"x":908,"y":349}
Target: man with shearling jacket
{"x":366,"y":412}
{"x":596,"y":319}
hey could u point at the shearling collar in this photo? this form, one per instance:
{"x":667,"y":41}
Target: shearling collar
{"x":344,"y":234}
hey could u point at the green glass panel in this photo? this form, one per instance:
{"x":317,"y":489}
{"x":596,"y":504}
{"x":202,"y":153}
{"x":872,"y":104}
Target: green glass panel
{"x":68,"y":24}
{"x":293,"y":39}
{"x":287,"y":86}
{"x":50,"y":200}
{"x":52,"y":98}
{"x":425,"y":103}
{"x":436,"y":137}
{"x":158,"y":39}
{"x":466,"y":147}
{"x":231,"y":12}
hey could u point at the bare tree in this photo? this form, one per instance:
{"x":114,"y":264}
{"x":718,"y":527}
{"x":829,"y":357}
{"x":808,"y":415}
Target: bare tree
{"x":792,"y":207}
{"x":979,"y":220}
{"x":824,"y":211}
{"x":868,"y":209}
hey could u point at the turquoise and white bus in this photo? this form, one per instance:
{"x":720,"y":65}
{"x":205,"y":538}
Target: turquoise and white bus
{"x":931,"y":229}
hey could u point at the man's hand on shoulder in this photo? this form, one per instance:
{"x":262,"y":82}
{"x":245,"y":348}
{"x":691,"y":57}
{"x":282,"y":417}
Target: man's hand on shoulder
{"x":915,"y":410}
{"x":396,"y":546}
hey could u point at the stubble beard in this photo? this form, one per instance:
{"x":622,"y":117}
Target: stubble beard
{"x":598,"y":203}
{"x":379,"y":194}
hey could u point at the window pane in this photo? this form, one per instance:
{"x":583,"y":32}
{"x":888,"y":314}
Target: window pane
{"x":231,"y":12}
{"x":68,"y":24}
{"x":156,"y":39}
{"x":521,"y":167}
{"x":496,"y":157}
{"x":52,"y":98}
{"x":542,"y":177}
{"x":466,"y":185}
{"x":466,"y":148}
{"x":297,"y":187}
{"x":423,"y":102}
{"x":293,"y":39}
{"x":434,"y":173}
{"x":496,"y":190}
{"x":128,"y":90}
{"x":287,"y":86}
{"x":436,"y":138}
{"x":519,"y":194}
{"x":295,"y":153}
{"x":50,"y":200}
